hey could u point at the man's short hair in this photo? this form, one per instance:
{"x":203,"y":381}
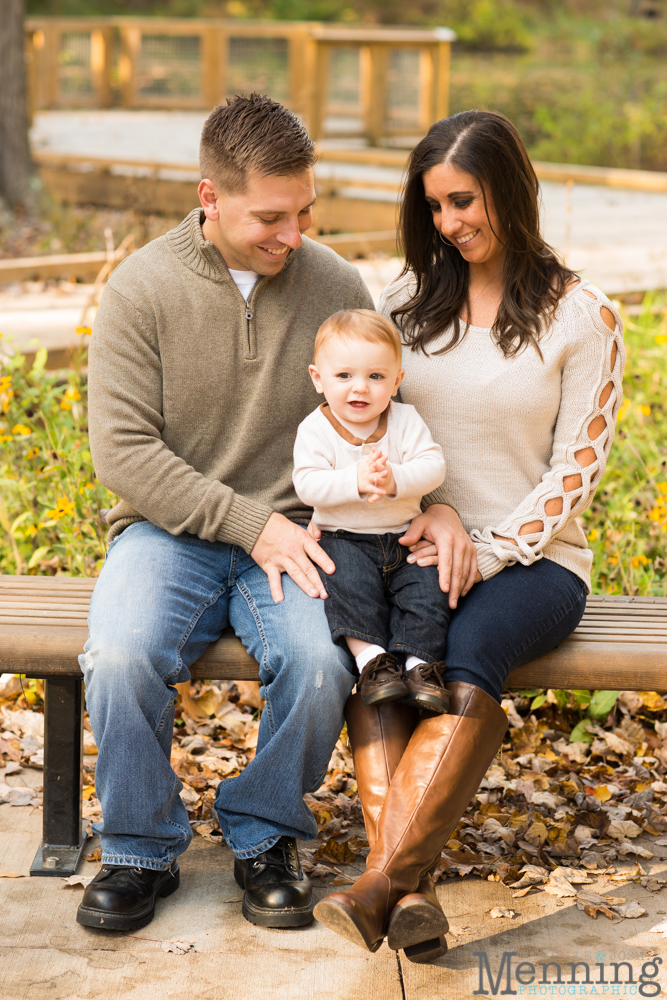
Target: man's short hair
{"x":358,"y":324}
{"x":252,"y":135}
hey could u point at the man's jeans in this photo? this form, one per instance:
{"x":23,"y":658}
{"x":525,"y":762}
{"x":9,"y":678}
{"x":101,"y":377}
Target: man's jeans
{"x":377,"y":596}
{"x":158,"y":603}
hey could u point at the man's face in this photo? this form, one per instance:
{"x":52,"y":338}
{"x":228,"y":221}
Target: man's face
{"x":255,"y":229}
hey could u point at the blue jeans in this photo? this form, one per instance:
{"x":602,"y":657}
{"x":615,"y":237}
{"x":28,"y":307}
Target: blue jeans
{"x":158,"y":603}
{"x":377,"y":596}
{"x":517,"y":616}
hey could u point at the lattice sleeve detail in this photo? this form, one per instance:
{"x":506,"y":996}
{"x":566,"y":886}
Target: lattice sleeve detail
{"x":591,"y":394}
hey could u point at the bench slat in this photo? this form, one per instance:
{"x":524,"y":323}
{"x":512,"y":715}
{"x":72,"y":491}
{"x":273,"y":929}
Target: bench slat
{"x":620,"y":644}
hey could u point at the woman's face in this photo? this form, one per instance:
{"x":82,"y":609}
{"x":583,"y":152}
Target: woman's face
{"x":459,"y":214}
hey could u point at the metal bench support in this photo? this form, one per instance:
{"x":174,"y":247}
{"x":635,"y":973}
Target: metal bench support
{"x":63,"y":834}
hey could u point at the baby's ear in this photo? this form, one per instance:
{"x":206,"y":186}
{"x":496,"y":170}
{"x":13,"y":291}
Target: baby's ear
{"x":315,"y":375}
{"x":399,"y":379}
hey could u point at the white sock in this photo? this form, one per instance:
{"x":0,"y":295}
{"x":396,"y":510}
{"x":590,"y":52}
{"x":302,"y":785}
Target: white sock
{"x":368,"y":654}
{"x":412,"y":662}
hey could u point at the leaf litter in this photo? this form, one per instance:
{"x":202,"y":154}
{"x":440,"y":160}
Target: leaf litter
{"x":565,"y":799}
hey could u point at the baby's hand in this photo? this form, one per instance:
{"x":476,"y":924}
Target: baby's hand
{"x":372,"y":475}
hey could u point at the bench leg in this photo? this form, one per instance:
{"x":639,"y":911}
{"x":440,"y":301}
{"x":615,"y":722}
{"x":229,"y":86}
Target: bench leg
{"x":63,"y":836}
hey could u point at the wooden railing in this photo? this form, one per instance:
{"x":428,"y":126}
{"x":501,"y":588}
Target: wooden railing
{"x":381,"y":84}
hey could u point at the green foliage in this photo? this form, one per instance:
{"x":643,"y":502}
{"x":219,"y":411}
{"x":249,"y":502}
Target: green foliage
{"x":49,"y":512}
{"x":488,"y":25}
{"x":627,"y":523}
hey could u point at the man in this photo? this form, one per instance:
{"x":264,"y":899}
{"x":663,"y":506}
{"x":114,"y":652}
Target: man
{"x":198,"y":380}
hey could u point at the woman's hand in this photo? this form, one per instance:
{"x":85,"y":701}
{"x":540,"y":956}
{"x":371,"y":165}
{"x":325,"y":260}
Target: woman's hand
{"x":437,"y":537}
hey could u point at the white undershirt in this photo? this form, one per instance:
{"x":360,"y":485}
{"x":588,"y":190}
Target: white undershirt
{"x":245,"y":281}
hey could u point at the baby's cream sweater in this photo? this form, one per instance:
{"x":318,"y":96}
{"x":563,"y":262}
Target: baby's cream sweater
{"x":510,"y":428}
{"x":326,"y":456}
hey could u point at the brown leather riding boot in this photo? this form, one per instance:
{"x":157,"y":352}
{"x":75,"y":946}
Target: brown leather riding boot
{"x":379,"y":735}
{"x":439,"y":773}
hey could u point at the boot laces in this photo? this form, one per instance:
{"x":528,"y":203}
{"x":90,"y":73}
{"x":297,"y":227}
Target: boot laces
{"x":384,"y":664}
{"x":434,"y":672}
{"x":280,"y":857}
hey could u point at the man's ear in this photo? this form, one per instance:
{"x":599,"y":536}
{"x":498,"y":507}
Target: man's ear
{"x":315,"y":375}
{"x":399,"y":379}
{"x":208,"y":196}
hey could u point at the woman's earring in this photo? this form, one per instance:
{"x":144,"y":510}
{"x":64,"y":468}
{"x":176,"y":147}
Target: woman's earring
{"x":445,"y":241}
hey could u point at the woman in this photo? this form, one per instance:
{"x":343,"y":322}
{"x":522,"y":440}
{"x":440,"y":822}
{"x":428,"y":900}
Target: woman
{"x":516,"y":366}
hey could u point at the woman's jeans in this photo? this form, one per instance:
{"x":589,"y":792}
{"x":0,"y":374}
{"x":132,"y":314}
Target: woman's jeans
{"x":377,"y":596}
{"x":158,"y":603}
{"x":518,"y":615}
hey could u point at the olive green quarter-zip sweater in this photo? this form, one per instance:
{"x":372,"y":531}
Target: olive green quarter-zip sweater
{"x":195,"y":396}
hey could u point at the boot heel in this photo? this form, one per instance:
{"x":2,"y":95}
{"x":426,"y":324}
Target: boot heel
{"x":171,"y":885}
{"x":426,"y":951}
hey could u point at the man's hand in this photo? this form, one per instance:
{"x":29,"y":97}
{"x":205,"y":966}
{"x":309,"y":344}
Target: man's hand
{"x":374,"y":477}
{"x":285,"y":547}
{"x":437,"y":538}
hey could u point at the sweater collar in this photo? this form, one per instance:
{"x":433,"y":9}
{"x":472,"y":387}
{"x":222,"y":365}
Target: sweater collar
{"x":199,"y":254}
{"x":346,"y":435}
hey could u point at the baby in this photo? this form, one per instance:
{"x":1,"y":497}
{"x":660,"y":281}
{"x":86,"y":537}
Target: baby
{"x":363,"y":463}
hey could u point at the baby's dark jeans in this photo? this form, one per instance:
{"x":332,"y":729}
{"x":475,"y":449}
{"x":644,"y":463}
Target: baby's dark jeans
{"x":377,"y":596}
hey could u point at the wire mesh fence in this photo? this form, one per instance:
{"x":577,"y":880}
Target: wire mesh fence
{"x":169,"y":66}
{"x":75,"y":74}
{"x":260,"y":65}
{"x":403,"y":89}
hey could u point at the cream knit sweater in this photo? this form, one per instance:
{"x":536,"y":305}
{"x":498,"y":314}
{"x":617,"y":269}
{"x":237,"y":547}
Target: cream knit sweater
{"x":510,"y":428}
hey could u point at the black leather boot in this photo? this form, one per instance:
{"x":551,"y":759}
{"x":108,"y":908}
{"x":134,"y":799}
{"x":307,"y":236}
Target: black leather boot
{"x":276,"y":891}
{"x":122,"y":898}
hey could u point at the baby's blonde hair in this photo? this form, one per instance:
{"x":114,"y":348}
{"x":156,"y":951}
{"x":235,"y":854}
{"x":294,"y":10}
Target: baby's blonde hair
{"x":358,"y":324}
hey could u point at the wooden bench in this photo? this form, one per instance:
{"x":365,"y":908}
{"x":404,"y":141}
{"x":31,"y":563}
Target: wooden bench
{"x":621,"y":644}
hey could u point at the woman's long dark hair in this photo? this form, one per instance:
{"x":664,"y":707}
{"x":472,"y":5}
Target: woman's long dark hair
{"x":486,"y":145}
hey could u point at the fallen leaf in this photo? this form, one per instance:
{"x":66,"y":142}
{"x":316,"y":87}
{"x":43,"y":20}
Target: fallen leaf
{"x":177,"y":947}
{"x":660,"y":929}
{"x":573,"y":875}
{"x":630,"y":910}
{"x":559,"y":887}
{"x":524,"y":892}
{"x":76,"y":880}
{"x":12,"y":875}
{"x":458,"y":930}
{"x":499,"y":911}
{"x":652,"y":701}
{"x":626,"y":848}
{"x":621,"y":828}
{"x":95,"y":855}
{"x":536,"y":834}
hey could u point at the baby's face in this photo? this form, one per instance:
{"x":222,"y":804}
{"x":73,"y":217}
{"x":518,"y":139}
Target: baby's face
{"x":357,"y":378}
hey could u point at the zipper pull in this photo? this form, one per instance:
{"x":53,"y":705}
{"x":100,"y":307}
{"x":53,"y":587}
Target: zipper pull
{"x":248,"y":314}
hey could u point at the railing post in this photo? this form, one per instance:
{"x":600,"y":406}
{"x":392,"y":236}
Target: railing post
{"x":213,"y":65}
{"x":374,"y":70}
{"x":63,"y":837}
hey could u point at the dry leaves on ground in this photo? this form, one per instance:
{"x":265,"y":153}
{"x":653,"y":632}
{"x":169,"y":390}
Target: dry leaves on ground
{"x":552,"y":814}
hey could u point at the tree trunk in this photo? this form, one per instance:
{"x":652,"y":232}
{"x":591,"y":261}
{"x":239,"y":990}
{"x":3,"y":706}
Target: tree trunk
{"x":15,"y":161}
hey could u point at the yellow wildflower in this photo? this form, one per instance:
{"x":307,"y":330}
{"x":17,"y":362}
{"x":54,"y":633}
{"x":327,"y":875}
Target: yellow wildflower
{"x":613,"y":560}
{"x":63,"y":508}
{"x":72,"y":393}
{"x":5,"y":382}
{"x":644,"y":409}
{"x":636,"y":560}
{"x":593,"y":536}
{"x":21,"y":429}
{"x":625,"y":406}
{"x":31,"y":530}
{"x":661,"y":338}
{"x":662,"y":487}
{"x":84,"y":331}
{"x":5,"y":437}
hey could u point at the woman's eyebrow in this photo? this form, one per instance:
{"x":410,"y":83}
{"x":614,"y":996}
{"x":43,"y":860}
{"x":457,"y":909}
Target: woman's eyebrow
{"x":457,"y":194}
